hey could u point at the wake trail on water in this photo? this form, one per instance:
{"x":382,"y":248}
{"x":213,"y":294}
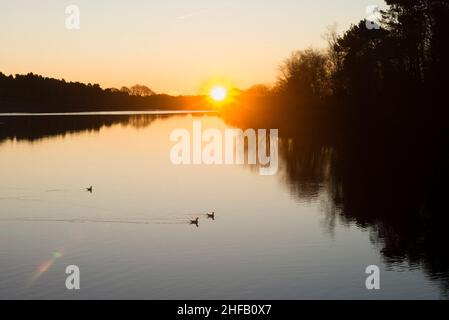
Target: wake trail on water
{"x":136,"y":217}
{"x":97,"y":220}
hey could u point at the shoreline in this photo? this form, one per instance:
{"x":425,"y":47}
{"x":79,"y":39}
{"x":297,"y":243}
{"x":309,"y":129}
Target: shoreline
{"x":106,"y":113}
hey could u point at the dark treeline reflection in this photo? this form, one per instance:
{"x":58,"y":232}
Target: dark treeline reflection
{"x":398,"y":191}
{"x":32,"y":128}
{"x":394,"y":186}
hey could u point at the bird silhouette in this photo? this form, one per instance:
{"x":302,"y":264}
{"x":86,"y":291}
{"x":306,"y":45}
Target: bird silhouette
{"x":195,"y":222}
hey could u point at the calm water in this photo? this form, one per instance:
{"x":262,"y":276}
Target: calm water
{"x":274,"y":237}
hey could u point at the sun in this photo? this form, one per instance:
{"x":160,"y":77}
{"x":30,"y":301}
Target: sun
{"x":218,"y":93}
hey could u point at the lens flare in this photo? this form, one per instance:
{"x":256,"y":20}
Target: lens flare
{"x":46,"y":265}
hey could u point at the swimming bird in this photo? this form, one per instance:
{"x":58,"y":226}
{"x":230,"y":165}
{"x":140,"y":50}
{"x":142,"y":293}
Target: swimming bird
{"x":211,"y":215}
{"x":89,"y":189}
{"x":195,"y":222}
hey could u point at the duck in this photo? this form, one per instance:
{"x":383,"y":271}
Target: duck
{"x":211,"y":215}
{"x":195,"y":222}
{"x":89,"y":189}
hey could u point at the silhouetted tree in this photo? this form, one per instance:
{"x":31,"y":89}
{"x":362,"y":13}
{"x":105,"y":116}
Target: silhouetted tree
{"x":142,"y":91}
{"x":306,"y":75}
{"x":125,"y":90}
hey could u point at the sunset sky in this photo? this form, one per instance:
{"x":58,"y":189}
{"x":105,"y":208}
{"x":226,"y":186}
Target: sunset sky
{"x":172,"y":46}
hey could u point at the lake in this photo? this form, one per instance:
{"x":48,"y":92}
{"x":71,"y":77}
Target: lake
{"x":307,"y":232}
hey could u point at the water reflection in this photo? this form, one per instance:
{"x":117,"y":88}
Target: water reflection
{"x":395,"y":188}
{"x":31,"y":128}
{"x":396,"y":191}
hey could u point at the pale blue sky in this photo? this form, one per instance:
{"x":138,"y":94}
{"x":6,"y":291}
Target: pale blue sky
{"x":172,"y":46}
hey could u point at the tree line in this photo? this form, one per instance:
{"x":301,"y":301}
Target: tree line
{"x":35,"y":93}
{"x":387,"y":77}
